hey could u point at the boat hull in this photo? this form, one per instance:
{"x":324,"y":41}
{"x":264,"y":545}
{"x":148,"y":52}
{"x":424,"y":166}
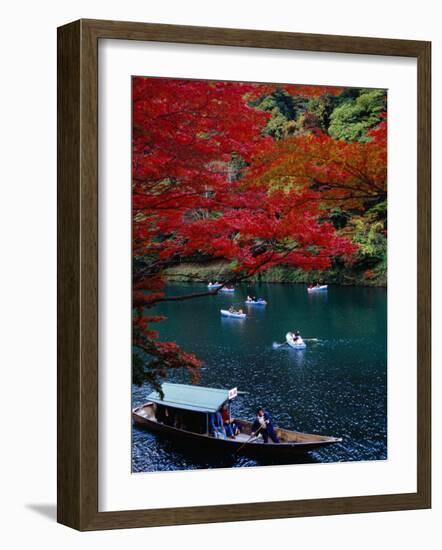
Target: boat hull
{"x":318,"y":289}
{"x":210,"y":444}
{"x":226,"y":313}
{"x":293,"y":344}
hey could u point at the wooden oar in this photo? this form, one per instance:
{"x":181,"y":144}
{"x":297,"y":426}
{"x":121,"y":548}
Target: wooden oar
{"x":276,"y":345}
{"x":248,"y":441}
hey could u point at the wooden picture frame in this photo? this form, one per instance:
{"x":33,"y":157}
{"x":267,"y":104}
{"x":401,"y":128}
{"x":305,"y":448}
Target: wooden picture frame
{"x":78,"y":274}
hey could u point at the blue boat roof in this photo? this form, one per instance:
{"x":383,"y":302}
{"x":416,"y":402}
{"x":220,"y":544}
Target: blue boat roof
{"x":192,"y":398}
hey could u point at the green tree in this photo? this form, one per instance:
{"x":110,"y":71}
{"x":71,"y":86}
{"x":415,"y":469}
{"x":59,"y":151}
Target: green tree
{"x":352,"y":118}
{"x":285,"y":110}
{"x":321,"y":107}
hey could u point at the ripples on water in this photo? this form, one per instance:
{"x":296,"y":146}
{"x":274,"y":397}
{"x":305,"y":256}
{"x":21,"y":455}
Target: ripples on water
{"x":337,"y":386}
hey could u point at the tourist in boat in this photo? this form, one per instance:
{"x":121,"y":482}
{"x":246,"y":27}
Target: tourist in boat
{"x":216,"y":425}
{"x":249,"y":298}
{"x":263,"y":425}
{"x":235,"y":428}
{"x":162,"y":414}
{"x":231,"y":309}
{"x":227,"y":423}
{"x":296,"y":335}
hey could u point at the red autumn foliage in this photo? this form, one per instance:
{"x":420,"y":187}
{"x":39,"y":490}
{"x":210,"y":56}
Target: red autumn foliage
{"x":349,"y":173}
{"x":295,"y":90}
{"x":189,"y":203}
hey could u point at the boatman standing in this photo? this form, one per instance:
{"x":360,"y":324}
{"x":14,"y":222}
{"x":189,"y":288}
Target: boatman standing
{"x":263,"y":425}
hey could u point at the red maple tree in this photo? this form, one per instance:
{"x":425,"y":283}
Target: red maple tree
{"x":350,"y":173}
{"x":196,"y":198}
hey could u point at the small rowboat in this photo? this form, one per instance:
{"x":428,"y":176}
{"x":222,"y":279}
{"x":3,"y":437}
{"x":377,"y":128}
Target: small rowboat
{"x":317,"y":288}
{"x":227,"y":289}
{"x":234,"y":315}
{"x":259,"y":302}
{"x":298,"y":344}
{"x":214,"y":285}
{"x":182,"y":414}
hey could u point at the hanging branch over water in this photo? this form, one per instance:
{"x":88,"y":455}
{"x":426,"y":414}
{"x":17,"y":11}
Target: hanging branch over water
{"x":209,"y":185}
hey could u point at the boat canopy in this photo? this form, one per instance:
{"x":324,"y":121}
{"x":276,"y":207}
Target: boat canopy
{"x":192,"y":398}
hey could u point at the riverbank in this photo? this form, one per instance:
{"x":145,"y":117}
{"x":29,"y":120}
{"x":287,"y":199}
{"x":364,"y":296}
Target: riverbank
{"x":221,"y":270}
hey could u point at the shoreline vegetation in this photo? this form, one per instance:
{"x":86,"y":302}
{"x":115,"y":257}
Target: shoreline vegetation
{"x":221,"y":270}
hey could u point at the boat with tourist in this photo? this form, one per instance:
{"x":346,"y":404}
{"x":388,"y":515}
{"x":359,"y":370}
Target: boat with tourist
{"x":255,"y":301}
{"x":235,"y":314}
{"x":214,"y":285}
{"x":317,"y":288}
{"x":295,"y":341}
{"x":184,"y":413}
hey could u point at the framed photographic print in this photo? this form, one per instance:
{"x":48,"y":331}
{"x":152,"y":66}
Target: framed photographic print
{"x":244,"y":275}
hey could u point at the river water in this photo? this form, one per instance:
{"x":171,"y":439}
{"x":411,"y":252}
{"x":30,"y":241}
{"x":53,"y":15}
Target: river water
{"x":337,"y":386}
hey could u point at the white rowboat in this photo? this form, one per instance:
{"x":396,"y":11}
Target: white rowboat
{"x":317,"y":288}
{"x":235,"y":315}
{"x":298,"y":344}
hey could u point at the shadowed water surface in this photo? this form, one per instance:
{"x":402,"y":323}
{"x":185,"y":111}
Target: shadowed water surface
{"x":337,"y":386}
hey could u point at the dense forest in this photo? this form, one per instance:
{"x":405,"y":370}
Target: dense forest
{"x":350,"y":116}
{"x":252,"y":182}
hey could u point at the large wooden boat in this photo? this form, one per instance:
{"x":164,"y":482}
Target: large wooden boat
{"x":183,"y":414}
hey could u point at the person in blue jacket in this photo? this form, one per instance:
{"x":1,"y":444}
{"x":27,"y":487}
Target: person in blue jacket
{"x":216,"y":425}
{"x":263,"y":425}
